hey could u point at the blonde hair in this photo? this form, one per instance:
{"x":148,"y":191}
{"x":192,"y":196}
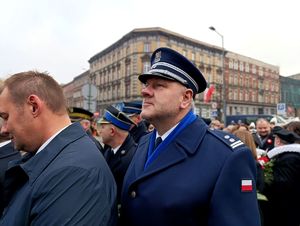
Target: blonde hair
{"x":247,"y":138}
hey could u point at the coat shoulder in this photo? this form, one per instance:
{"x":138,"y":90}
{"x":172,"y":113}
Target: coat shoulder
{"x":231,"y":141}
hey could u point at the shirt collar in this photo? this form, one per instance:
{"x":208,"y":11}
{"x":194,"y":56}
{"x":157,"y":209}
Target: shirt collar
{"x":49,"y":140}
{"x":115,"y":150}
{"x":166,"y":134}
{"x":4,"y":143}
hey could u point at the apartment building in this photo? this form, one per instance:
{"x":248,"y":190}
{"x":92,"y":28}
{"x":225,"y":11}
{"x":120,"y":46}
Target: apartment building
{"x":251,"y":86}
{"x":73,"y":90}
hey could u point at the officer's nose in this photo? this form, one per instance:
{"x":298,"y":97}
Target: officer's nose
{"x":4,"y":128}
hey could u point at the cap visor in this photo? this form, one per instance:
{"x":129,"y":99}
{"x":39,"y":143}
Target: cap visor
{"x":144,"y":77}
{"x":103,"y":121}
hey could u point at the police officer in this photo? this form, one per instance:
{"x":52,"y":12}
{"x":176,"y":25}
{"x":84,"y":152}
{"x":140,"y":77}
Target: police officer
{"x":84,"y":117}
{"x":133,"y":111}
{"x":120,"y":146}
{"x":196,"y":175}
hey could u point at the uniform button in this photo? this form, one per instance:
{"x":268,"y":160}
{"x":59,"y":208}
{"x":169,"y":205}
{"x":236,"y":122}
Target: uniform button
{"x":133,"y":194}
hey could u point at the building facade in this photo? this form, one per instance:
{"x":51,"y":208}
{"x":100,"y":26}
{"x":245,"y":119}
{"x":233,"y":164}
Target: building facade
{"x":290,"y":95}
{"x":251,"y":86}
{"x":73,"y":90}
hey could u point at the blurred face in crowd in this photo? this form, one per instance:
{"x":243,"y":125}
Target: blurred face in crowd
{"x":17,"y":121}
{"x":85,"y":124}
{"x":106,"y":132}
{"x":216,"y":124}
{"x":164,"y":99}
{"x":263,"y":128}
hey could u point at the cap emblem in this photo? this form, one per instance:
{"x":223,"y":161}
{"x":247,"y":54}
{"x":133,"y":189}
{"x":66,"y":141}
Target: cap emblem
{"x":157,"y":57}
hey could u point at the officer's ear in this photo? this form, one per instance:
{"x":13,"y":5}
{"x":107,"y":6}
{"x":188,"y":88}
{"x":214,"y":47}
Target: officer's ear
{"x":112,"y":130}
{"x":187,"y":98}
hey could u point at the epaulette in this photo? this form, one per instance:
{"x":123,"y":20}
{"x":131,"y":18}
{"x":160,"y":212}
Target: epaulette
{"x":227,"y":138}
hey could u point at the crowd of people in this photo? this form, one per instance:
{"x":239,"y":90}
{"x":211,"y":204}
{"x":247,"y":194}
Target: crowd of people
{"x":276,"y":150}
{"x":151,"y":163}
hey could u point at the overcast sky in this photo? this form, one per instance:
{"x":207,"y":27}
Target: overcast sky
{"x":60,"y":36}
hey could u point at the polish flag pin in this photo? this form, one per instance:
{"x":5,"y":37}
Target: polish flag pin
{"x":246,"y":185}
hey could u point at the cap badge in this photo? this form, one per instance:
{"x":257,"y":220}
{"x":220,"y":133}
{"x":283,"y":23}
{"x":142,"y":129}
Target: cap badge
{"x":157,"y":57}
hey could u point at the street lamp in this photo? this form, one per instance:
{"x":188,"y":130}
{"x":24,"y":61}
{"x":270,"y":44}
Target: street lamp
{"x":223,"y":75}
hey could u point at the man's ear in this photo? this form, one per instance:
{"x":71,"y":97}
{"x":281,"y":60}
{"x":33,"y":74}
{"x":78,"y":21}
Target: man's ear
{"x":34,"y":103}
{"x":187,"y":98}
{"x":112,"y":130}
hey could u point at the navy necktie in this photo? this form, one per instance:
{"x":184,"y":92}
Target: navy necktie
{"x":157,"y":142}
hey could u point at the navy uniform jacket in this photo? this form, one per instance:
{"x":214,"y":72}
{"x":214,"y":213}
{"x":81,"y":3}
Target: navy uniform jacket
{"x":195,"y":181}
{"x":7,"y":154}
{"x":138,"y":131}
{"x":120,"y":161}
{"x":67,"y":183}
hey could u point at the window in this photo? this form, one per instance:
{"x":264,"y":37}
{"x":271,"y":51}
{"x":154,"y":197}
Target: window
{"x":235,"y":95}
{"x":241,"y":80}
{"x":230,"y":63}
{"x":230,"y":95}
{"x":247,"y":81}
{"x":236,"y":79}
{"x":241,"y":95}
{"x":193,"y":56}
{"x":253,"y":69}
{"x":247,"y":67}
{"x":241,"y":66}
{"x":146,"y":67}
{"x":127,"y":69}
{"x":146,"y":47}
{"x":231,"y":78}
{"x":247,"y":95}
{"x":201,"y":58}
{"x":236,"y":65}
{"x":260,"y":71}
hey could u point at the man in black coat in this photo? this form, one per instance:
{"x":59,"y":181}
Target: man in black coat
{"x":120,"y":145}
{"x":7,"y":154}
{"x":283,"y":182}
{"x":264,"y":138}
{"x":133,"y":110}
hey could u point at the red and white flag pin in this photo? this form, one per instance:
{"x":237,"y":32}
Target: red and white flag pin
{"x":246,"y":185}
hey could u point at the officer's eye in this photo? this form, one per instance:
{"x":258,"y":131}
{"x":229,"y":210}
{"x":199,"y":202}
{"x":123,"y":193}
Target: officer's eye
{"x":145,"y":84}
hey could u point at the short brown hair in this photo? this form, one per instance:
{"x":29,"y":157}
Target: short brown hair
{"x":23,"y":84}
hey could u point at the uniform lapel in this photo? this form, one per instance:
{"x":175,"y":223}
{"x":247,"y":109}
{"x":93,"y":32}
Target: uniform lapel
{"x":116,"y":159}
{"x":141,"y":155}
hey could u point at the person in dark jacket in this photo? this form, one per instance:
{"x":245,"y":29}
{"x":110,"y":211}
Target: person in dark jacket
{"x":133,"y":111}
{"x":63,"y":179}
{"x":184,"y":173}
{"x":121,"y":147}
{"x":282,"y":190}
{"x":263,"y":136}
{"x":7,"y":154}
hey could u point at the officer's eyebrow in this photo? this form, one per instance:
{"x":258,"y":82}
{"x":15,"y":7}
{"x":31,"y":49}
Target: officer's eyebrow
{"x":3,"y":115}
